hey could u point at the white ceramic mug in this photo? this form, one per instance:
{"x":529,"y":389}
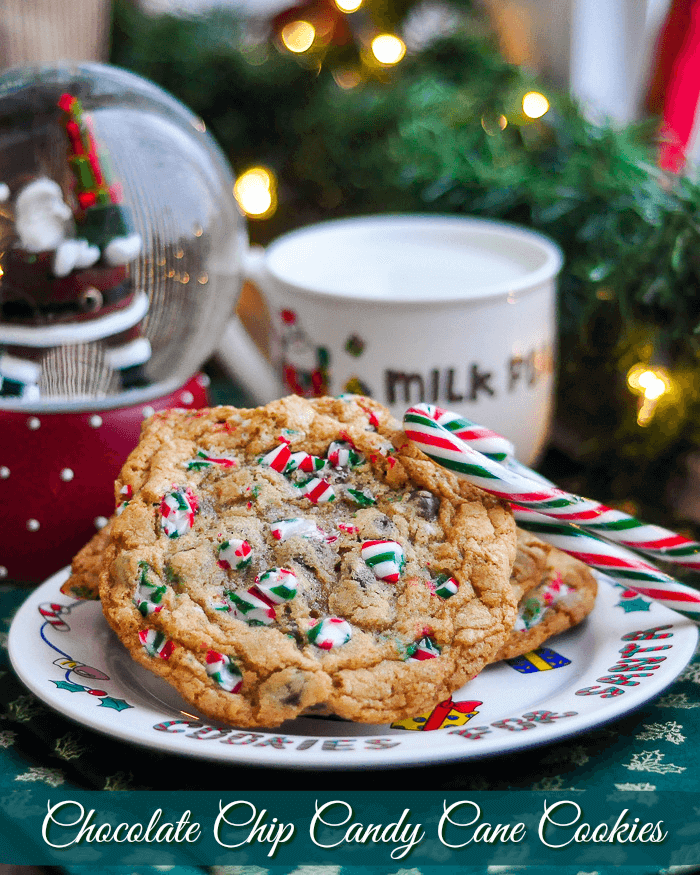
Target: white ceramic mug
{"x":453,"y":311}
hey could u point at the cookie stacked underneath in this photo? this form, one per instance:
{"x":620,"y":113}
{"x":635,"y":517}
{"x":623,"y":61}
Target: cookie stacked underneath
{"x":554,"y":592}
{"x":305,"y":556}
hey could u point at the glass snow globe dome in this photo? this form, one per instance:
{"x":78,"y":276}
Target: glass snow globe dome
{"x":121,"y":241}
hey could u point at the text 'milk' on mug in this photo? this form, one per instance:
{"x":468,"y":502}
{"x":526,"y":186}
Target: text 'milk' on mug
{"x":452,"y":311}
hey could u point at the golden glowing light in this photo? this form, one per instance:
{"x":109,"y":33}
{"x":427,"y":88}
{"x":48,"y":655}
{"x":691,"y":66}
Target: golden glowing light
{"x":535,"y":105}
{"x":298,"y":36}
{"x":653,"y":386}
{"x":388,"y":49}
{"x":255,"y":192}
{"x":348,"y":5}
{"x":650,"y":384}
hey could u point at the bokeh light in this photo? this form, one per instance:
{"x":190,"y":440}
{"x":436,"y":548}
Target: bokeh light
{"x":347,"y":78}
{"x":298,"y":36}
{"x":255,"y":191}
{"x":535,"y":105}
{"x":650,"y":384}
{"x":388,"y":49}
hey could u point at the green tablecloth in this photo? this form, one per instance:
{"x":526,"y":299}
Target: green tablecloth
{"x":650,"y":751}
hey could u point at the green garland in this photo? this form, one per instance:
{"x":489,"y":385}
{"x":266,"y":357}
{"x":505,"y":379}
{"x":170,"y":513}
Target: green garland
{"x":426,"y":137}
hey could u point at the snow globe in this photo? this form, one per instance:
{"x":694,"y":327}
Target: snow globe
{"x":121,"y":246}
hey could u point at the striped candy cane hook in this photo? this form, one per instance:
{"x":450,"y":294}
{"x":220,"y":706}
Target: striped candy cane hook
{"x":424,"y":425}
{"x":537,"y":504}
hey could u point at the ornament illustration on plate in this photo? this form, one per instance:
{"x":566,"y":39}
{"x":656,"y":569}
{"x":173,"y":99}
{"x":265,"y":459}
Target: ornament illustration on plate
{"x":542,"y":659}
{"x":54,"y":619}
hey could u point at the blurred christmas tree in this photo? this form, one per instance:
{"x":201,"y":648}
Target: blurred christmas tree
{"x":433,"y":119}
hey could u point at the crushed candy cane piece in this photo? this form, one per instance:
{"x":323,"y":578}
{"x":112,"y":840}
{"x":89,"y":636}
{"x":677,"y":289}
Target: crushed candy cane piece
{"x":532,"y":610}
{"x":556,"y":589}
{"x":177,"y":509}
{"x":256,"y":606}
{"x":445,"y":586}
{"x":296,"y":526}
{"x":302,"y":461}
{"x":277,"y":459}
{"x":234,"y":554}
{"x":223,"y":672}
{"x":155,"y":643}
{"x":385,"y":558}
{"x":341,"y":454}
{"x":361,"y":497}
{"x":206,"y":460}
{"x":148,"y":595}
{"x":250,"y":607}
{"x":423,"y":649}
{"x":277,"y":584}
{"x":329,"y":633}
{"x":317,"y":490}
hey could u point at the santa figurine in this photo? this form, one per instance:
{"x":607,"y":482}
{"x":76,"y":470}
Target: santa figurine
{"x":65,"y":277}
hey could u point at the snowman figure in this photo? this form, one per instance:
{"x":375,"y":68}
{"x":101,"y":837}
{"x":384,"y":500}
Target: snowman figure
{"x":66,"y":278}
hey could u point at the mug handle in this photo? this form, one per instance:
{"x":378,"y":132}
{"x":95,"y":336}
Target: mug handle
{"x":237,"y":354}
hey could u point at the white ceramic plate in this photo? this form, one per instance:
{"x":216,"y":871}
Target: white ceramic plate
{"x":65,"y":652}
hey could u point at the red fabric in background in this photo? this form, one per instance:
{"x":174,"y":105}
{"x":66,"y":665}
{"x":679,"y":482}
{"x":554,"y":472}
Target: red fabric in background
{"x":674,"y":90}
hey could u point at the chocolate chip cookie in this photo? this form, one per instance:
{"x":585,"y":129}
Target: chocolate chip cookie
{"x":87,"y":563}
{"x":304,"y":555}
{"x":555,"y":592}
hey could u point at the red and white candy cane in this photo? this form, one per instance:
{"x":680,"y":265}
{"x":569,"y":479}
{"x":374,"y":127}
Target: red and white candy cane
{"x":422,"y":425}
{"x":51,"y":612}
{"x":614,"y":560}
{"x":529,"y":493}
{"x":481,"y":439}
{"x":617,"y":562}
